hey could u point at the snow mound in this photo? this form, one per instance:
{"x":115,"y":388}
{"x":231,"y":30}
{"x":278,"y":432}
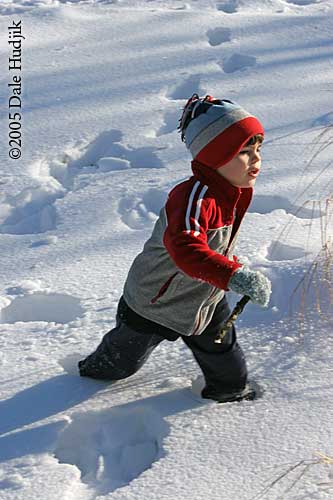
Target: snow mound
{"x":264,"y":204}
{"x":49,"y":307}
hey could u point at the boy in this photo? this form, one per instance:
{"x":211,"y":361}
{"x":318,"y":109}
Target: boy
{"x":176,"y":285}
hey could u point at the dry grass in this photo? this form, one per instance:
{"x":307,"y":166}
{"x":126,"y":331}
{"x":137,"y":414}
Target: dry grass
{"x":292,"y":474}
{"x":314,"y":291}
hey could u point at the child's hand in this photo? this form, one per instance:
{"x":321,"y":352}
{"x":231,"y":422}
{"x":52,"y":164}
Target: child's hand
{"x":252,"y":283}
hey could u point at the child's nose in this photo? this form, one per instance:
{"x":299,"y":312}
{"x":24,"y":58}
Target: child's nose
{"x":256,"y":157}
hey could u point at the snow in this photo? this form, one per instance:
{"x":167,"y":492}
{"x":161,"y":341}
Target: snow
{"x":103,"y":84}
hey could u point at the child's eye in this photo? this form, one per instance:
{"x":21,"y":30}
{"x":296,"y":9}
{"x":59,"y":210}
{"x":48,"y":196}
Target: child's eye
{"x":247,"y":151}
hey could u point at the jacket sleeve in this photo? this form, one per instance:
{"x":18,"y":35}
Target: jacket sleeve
{"x":185,"y":239}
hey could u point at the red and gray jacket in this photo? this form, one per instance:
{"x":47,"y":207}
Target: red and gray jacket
{"x":185,"y":266}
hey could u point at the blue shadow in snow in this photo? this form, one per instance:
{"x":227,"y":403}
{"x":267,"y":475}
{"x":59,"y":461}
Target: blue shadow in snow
{"x":31,"y":441}
{"x":49,"y":398}
{"x":44,"y":400}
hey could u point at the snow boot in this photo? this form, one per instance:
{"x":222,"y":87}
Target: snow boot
{"x":250,"y":392}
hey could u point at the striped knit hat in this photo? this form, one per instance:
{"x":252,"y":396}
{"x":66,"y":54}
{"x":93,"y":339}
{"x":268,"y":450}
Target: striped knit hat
{"x":216,"y":130}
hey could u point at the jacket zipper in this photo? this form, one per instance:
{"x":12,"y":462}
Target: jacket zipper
{"x":163,"y":288}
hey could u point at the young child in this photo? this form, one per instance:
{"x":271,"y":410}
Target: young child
{"x":176,"y":285}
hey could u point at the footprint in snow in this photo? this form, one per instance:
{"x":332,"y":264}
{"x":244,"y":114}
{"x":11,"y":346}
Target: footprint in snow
{"x":185,"y":89}
{"x":217,"y":36}
{"x":33,"y":210}
{"x":301,"y":2}
{"x":113,"y":447}
{"x":238,"y":62}
{"x":139,"y":213}
{"x":107,"y":153}
{"x":228,"y":7}
{"x":170,"y":123}
{"x":278,"y":251}
{"x":50,"y":240}
{"x":27,"y":5}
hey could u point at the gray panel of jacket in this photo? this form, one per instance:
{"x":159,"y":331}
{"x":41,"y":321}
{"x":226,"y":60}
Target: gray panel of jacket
{"x":188,"y":304}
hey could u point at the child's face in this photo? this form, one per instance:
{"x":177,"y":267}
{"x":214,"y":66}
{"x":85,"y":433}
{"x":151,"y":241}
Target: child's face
{"x":243,"y":169}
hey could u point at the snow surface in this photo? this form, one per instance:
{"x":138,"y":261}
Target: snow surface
{"x":103,"y":87}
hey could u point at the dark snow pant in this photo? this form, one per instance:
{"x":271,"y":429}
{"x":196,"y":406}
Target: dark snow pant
{"x":123,"y":351}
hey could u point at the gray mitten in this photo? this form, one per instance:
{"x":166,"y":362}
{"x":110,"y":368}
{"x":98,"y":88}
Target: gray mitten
{"x":251,"y":283}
